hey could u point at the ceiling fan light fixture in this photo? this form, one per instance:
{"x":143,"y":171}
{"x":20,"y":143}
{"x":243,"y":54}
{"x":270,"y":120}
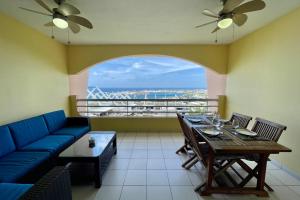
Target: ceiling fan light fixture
{"x":60,"y":21}
{"x":225,"y":23}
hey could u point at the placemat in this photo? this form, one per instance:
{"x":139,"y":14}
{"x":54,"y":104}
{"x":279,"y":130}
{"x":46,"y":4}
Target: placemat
{"x":220,"y":137}
{"x":248,"y":138}
{"x":251,"y":138}
{"x":201,"y":122}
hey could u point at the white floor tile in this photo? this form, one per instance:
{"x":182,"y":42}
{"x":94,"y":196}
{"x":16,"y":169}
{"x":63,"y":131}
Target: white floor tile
{"x":138,"y":163}
{"x":195,"y":177}
{"x":135,"y":177}
{"x":147,"y":167}
{"x":156,"y":164}
{"x":170,"y":154}
{"x":155,"y":153}
{"x":183,"y":193}
{"x":271,"y":166}
{"x":126,"y":145}
{"x":284,"y":177}
{"x":178,"y":177}
{"x":173,"y":163}
{"x":123,"y":153}
{"x":159,"y":193}
{"x":109,"y":193}
{"x":154,"y":144}
{"x":295,"y":189}
{"x":140,"y":145}
{"x":133,"y":193}
{"x":139,"y":153}
{"x":283,"y":193}
{"x":119,"y":163}
{"x":157,"y":177}
{"x":114,"y":177}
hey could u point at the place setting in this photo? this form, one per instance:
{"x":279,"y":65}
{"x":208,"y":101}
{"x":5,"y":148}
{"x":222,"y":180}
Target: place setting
{"x":248,"y":135}
{"x":242,"y":133}
{"x":213,"y":134}
{"x":198,"y":120}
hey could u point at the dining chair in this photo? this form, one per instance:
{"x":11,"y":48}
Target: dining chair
{"x":184,"y":148}
{"x":242,"y":119}
{"x":268,"y":130}
{"x":201,"y":153}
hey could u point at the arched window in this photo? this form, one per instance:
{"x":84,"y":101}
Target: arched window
{"x":146,"y":86}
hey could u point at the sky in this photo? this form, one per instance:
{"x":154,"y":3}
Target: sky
{"x":147,"y":72}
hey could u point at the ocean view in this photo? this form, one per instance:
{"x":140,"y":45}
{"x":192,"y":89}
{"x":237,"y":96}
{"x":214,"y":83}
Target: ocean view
{"x":146,"y":93}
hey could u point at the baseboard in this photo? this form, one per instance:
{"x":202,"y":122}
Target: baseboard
{"x":286,"y":169}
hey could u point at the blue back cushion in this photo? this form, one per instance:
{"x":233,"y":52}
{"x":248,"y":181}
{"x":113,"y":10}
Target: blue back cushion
{"x":13,"y":191}
{"x":7,"y":144}
{"x":29,"y":130}
{"x":55,"y":120}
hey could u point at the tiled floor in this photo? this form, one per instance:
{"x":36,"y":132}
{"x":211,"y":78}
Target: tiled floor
{"x":146,"y":167}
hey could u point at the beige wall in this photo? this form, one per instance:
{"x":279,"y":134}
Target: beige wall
{"x":211,"y":56}
{"x":263,"y":79}
{"x":136,"y":124}
{"x":33,"y":72}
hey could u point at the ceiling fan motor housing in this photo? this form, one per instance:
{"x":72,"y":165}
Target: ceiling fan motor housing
{"x":59,"y":1}
{"x":56,"y":14}
{"x":224,"y":16}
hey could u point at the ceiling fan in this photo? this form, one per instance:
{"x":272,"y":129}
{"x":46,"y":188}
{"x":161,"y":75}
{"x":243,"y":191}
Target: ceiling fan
{"x":233,"y":11}
{"x":64,"y":16}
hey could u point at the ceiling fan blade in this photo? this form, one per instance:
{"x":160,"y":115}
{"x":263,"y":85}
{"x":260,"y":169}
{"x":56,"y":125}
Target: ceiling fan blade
{"x":34,"y":11}
{"x":239,"y":19}
{"x":210,"y":13}
{"x":250,"y":6}
{"x":49,"y":24}
{"x":215,"y":30}
{"x":80,"y":20}
{"x":74,"y":27}
{"x":41,"y":3}
{"x":67,"y":9}
{"x":230,"y":5}
{"x":206,"y":24}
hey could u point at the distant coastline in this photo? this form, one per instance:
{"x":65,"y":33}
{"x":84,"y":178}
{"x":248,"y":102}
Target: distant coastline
{"x":147,"y":93}
{"x":142,"y":89}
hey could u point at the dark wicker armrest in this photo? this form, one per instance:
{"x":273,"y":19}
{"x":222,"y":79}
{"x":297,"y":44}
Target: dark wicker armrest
{"x":54,"y":185}
{"x":78,"y":121}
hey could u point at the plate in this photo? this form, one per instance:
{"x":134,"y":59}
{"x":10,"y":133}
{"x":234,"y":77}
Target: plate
{"x":246,"y":132}
{"x":224,"y":120}
{"x":211,"y":132}
{"x":195,"y":120}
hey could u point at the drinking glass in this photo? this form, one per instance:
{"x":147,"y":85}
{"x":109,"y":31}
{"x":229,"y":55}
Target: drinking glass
{"x":216,"y":121}
{"x":235,"y":124}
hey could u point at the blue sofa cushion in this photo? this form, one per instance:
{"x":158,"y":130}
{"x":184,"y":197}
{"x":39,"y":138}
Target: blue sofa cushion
{"x":6,"y":141}
{"x":28,"y":130}
{"x":52,"y":143}
{"x":13,"y":191}
{"x":55,"y":120}
{"x":76,"y":131}
{"x":17,"y":164}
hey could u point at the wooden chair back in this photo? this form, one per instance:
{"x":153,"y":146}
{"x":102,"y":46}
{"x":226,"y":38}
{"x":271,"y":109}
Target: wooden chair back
{"x":267,"y":129}
{"x":183,"y":126}
{"x":242,"y":119}
{"x":194,"y":142}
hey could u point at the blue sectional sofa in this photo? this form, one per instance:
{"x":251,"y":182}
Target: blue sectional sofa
{"x":54,"y":185}
{"x":27,"y":145}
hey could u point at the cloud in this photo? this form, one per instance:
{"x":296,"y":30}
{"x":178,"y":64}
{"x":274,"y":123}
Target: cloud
{"x":146,"y":71}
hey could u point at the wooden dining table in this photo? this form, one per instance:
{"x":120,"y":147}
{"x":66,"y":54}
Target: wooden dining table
{"x":238,"y":146}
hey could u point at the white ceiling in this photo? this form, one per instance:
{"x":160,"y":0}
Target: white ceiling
{"x":146,"y":21}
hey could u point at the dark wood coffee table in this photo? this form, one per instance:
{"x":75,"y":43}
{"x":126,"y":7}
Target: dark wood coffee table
{"x":99,"y":156}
